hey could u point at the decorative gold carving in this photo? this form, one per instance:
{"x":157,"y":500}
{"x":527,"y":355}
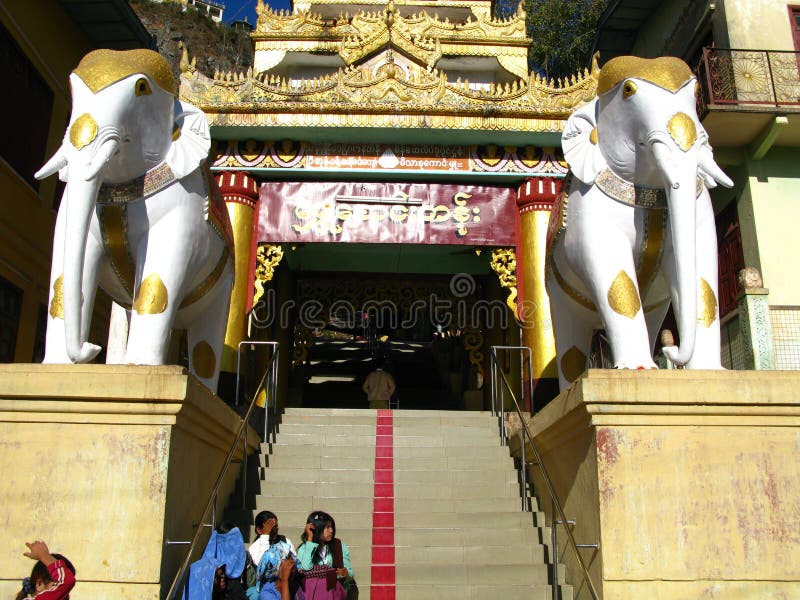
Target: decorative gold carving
{"x":667,"y":72}
{"x":102,"y":68}
{"x":83,"y":131}
{"x":57,"y":303}
{"x":504,"y":263}
{"x":204,"y":361}
{"x":152,"y":297}
{"x":683,"y":130}
{"x":707,"y":305}
{"x":268,"y":257}
{"x":573,"y":363}
{"x":623,"y":296}
{"x":472,"y":341}
{"x":385,"y":97}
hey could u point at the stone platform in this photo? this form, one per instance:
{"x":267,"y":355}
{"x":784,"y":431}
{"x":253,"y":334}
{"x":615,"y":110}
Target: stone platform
{"x":688,"y":480}
{"x":105,"y":463}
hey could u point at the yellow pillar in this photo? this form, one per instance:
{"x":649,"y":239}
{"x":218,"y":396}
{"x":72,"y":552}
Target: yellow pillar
{"x":535,"y":200}
{"x":240,"y":191}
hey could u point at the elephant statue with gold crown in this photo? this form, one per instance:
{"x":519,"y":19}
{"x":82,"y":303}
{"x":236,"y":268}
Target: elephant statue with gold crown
{"x":141,"y":216}
{"x":634,"y":230}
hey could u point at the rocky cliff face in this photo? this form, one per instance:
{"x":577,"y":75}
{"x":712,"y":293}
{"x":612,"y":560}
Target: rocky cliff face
{"x":215,"y":47}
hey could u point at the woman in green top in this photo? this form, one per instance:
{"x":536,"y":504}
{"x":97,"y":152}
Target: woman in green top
{"x":323,"y":561}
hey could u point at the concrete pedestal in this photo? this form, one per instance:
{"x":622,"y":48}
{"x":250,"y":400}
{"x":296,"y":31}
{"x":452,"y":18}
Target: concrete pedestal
{"x":689,"y":481}
{"x":105,"y":463}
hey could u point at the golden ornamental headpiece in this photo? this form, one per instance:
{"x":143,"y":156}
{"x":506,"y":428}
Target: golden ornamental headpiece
{"x":101,"y":68}
{"x":667,"y":72}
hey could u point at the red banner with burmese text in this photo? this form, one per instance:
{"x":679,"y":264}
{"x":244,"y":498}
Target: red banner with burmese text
{"x":395,"y":213}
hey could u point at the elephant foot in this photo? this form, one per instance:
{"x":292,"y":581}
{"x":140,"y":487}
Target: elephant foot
{"x":636,"y":365}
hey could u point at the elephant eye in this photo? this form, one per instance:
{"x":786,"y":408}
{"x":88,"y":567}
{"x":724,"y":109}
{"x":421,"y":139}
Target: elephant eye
{"x":143,"y":87}
{"x":629,"y":89}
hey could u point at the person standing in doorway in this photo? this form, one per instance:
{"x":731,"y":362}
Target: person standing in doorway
{"x":379,"y":386}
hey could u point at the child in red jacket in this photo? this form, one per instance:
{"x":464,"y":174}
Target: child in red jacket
{"x":52,"y":577}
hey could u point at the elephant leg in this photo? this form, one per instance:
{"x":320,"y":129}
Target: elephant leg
{"x":119,"y":324}
{"x":655,"y":318}
{"x":606,"y":266}
{"x":573,"y":336}
{"x":159,"y":292}
{"x":206,"y":334}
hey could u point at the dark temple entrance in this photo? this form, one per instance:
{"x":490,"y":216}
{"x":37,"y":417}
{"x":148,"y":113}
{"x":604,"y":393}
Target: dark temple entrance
{"x":428,"y":318}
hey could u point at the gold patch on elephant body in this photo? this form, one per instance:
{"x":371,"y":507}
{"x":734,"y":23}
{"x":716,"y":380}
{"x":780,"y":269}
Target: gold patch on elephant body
{"x":666,"y":72}
{"x":573,"y":363}
{"x":83,"y":131}
{"x":57,"y":303}
{"x":707,"y":304}
{"x":683,"y":130}
{"x":152,"y":297}
{"x":102,"y":68}
{"x":593,"y":136}
{"x":204,"y":362}
{"x":623,"y":297}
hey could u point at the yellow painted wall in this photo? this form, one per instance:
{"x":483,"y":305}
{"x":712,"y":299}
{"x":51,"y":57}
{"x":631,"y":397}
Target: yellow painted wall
{"x":760,"y":24}
{"x":687,"y":479}
{"x":771,"y":198}
{"x":105,"y":463}
{"x":54,"y":45}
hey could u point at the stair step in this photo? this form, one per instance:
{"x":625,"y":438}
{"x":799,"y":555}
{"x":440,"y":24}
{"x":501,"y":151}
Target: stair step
{"x":449,"y":474}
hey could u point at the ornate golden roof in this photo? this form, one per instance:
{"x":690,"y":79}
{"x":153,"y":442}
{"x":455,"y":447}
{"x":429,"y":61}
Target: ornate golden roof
{"x":385,"y":97}
{"x":421,"y":35}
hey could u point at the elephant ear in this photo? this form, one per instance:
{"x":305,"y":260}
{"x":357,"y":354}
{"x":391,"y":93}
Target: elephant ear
{"x":191,"y":140}
{"x":579,"y":142}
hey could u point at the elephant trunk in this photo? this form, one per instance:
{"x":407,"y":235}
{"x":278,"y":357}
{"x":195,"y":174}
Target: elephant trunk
{"x":83,"y":185}
{"x":680,"y":181}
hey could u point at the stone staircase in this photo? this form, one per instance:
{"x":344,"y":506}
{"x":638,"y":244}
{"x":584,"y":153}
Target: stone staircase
{"x":458,"y":528}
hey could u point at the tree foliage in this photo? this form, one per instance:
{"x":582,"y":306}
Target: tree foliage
{"x":562,"y":32}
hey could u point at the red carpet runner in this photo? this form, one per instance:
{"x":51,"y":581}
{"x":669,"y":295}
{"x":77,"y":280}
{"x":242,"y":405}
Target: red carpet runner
{"x":383,"y":570}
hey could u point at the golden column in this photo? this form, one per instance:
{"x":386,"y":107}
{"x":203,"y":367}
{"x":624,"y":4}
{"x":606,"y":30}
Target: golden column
{"x":240,"y":191}
{"x":535,"y":199}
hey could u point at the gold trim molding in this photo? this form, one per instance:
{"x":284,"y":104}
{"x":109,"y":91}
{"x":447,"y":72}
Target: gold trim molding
{"x":268,"y":257}
{"x":504,"y":263}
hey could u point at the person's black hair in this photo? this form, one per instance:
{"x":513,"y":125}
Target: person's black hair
{"x":319,"y":520}
{"x":40,"y":572}
{"x":226,"y":526}
{"x":261,"y":520}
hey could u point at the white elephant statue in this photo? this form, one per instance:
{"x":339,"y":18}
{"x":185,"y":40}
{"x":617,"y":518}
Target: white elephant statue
{"x":635,"y":228}
{"x":141,"y":216}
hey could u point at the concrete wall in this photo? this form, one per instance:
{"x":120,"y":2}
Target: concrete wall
{"x":688,"y":480}
{"x":106,"y":463}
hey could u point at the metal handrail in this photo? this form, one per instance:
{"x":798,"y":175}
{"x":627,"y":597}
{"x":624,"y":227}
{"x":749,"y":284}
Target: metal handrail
{"x":212,"y":499}
{"x":547,"y":481}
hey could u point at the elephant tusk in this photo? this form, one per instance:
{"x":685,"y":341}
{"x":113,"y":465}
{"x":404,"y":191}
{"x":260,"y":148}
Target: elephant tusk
{"x":103,"y":155}
{"x":709,"y":169}
{"x":57,"y":162}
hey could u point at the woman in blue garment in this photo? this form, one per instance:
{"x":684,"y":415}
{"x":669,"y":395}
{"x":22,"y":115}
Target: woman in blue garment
{"x":323,"y":561}
{"x":274,"y":567}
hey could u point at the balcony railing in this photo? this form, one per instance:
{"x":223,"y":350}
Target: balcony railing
{"x":748,"y":78}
